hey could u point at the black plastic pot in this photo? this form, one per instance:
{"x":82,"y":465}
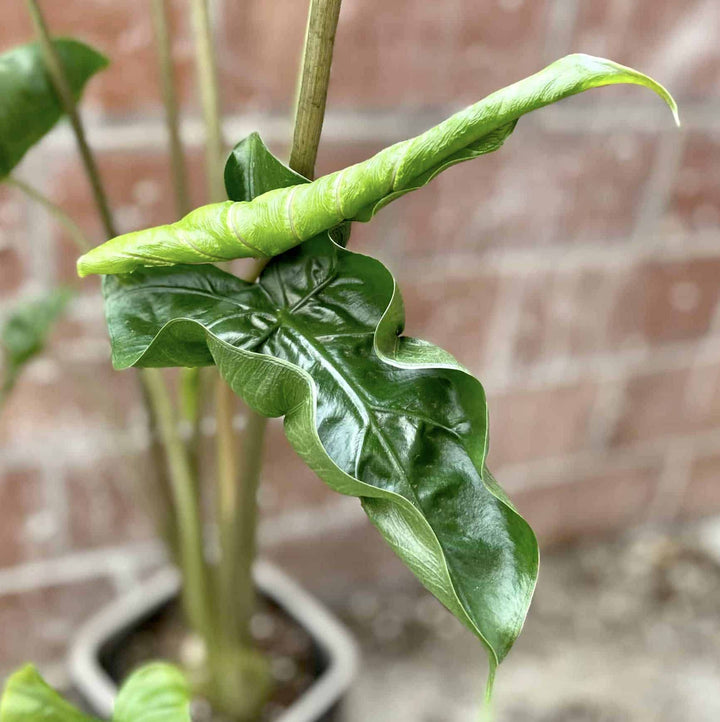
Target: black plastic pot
{"x":100,"y":636}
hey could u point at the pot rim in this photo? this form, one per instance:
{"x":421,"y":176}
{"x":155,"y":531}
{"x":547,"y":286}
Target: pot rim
{"x":326,"y":630}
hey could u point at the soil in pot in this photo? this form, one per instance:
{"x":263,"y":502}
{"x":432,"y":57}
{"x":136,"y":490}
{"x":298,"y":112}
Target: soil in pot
{"x":295,"y":660}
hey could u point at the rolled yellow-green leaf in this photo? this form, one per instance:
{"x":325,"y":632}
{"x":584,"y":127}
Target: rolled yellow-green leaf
{"x":280,"y":219}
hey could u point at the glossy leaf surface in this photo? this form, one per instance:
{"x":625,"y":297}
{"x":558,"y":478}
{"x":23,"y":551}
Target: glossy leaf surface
{"x":25,"y":333}
{"x":387,"y":418}
{"x":154,"y":693}
{"x":390,"y":419}
{"x":282,"y":218}
{"x":29,"y":105}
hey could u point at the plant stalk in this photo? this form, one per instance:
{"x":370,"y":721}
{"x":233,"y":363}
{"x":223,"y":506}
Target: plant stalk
{"x":190,"y":385}
{"x":191,"y":545}
{"x":314,"y":81}
{"x":238,"y":511}
{"x":62,"y":86}
{"x":166,"y":520}
{"x":209,"y":95}
{"x":172,"y":118}
{"x":79,"y":238}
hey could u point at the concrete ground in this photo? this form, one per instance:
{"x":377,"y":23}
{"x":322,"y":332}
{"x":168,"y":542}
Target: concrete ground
{"x":623,"y":631}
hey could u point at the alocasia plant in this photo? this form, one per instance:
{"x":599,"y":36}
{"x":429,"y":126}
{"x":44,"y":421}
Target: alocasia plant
{"x":156,"y":692}
{"x":318,"y":339}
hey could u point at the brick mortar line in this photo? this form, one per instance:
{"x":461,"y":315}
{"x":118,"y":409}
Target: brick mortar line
{"x":658,"y":187}
{"x":505,"y":262}
{"x":363,"y":126}
{"x":568,"y":258}
{"x":640,"y":454}
{"x":673,"y":482}
{"x":125,"y":561}
{"x":563,"y":15}
{"x":558,"y":373}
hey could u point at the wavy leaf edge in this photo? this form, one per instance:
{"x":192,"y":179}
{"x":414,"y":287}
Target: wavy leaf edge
{"x":301,"y":430}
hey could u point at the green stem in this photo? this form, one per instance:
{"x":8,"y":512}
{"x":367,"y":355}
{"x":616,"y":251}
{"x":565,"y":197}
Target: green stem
{"x":172,"y":118}
{"x":62,"y":86}
{"x":79,"y":238}
{"x":240,"y":544}
{"x":238,"y":509}
{"x":314,"y":80}
{"x":189,"y":378}
{"x":191,"y":547}
{"x":207,"y":81}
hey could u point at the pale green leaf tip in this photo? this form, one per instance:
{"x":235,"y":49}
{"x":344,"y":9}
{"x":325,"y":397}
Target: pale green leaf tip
{"x":638,"y":78}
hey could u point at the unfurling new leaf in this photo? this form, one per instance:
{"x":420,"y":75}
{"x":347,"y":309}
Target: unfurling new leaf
{"x":283,"y":218}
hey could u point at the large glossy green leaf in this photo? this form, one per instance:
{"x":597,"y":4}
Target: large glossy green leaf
{"x":282,"y":218}
{"x":29,"y":106}
{"x":156,"y":692}
{"x":28,"y":698}
{"x":24,"y":333}
{"x":390,"y":419}
{"x":387,"y":418}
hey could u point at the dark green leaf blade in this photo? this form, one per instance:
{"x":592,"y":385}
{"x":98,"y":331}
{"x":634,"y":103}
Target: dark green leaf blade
{"x":157,"y":692}
{"x":251,"y":170}
{"x":28,"y":698}
{"x":29,"y":106}
{"x":394,"y":421}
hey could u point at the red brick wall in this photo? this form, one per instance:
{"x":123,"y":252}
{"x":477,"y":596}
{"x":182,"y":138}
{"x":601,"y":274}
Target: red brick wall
{"x":576,"y":271}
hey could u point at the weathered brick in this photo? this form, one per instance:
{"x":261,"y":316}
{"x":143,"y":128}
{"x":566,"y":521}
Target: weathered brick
{"x":540,"y":188}
{"x":139,"y":187}
{"x":702,"y":495}
{"x":410,"y":52}
{"x":54,"y":401}
{"x":561,"y":313}
{"x":332,"y":563}
{"x":663,"y":302}
{"x":673,"y":41}
{"x":12,"y":223}
{"x":453,"y":313}
{"x":20,"y":496}
{"x":287,"y":483}
{"x":588,"y":505}
{"x":695,"y":192}
{"x":527,"y":425}
{"x":682,"y":401}
{"x":123,"y":31}
{"x":38,"y":624}
{"x":106,"y":505}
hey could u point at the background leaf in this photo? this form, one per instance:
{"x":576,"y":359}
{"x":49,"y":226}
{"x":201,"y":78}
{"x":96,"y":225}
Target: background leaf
{"x":154,"y":693}
{"x":25,"y":333}
{"x":28,"y":698}
{"x":29,"y":106}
